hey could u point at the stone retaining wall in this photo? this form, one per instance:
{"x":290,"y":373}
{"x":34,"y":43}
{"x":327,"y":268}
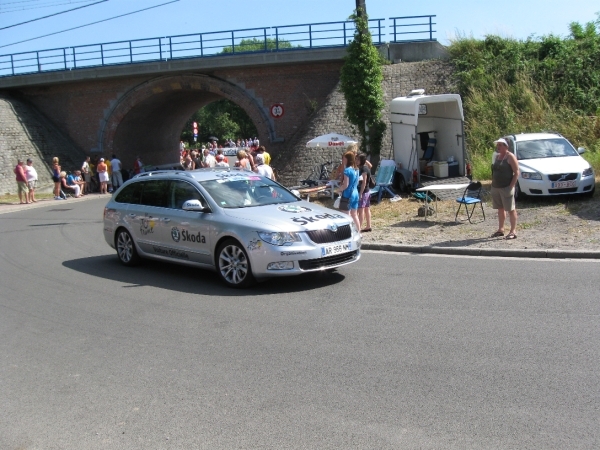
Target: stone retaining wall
{"x":296,"y":162}
{"x":26,"y":133}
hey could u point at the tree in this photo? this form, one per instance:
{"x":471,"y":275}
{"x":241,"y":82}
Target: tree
{"x":257,"y":45}
{"x":361,"y":79}
{"x":223,"y":119}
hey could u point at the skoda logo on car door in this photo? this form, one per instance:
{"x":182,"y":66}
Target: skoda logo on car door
{"x":175,"y":234}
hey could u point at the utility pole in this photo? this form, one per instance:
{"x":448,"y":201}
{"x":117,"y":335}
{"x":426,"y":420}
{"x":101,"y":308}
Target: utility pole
{"x":361,"y":11}
{"x":361,"y":7}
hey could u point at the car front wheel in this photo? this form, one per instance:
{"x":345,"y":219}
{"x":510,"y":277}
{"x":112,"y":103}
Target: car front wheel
{"x":590,"y":193}
{"x":126,"y":250}
{"x":233,"y":265}
{"x":518,"y":193}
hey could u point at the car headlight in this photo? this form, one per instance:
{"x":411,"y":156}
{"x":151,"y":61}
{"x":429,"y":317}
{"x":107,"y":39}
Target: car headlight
{"x":531,"y":175}
{"x":589,"y":172}
{"x":279,"y":238}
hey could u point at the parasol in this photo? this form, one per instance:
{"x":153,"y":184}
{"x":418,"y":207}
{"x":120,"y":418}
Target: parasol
{"x":331,"y":141}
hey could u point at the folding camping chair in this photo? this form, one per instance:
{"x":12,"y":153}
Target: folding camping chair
{"x":384,"y":179}
{"x":471,"y":196}
{"x":428,"y":154}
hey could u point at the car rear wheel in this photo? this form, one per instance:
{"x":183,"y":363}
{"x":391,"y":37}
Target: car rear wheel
{"x":233,"y":265}
{"x":126,"y":250}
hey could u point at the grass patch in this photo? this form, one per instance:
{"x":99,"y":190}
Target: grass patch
{"x":540,"y":84}
{"x":528,"y":225}
{"x":10,"y":199}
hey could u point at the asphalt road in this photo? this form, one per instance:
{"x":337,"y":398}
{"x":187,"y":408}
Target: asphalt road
{"x":395,"y":352}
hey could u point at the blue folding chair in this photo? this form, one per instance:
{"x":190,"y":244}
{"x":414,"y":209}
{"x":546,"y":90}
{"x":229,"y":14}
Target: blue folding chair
{"x":428,"y":154}
{"x":384,"y":179}
{"x":471,"y":197}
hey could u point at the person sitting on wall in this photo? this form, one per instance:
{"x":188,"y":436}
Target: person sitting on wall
{"x":76,"y":180}
{"x":65,"y":187}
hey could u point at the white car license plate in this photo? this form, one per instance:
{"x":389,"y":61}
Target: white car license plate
{"x":331,"y":250}
{"x":563,"y":184}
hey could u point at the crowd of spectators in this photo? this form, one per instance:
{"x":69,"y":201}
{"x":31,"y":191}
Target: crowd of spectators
{"x":104,"y":175}
{"x":250,"y":156}
{"x":96,"y":174}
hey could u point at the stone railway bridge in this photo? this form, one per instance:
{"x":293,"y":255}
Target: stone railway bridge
{"x":142,"y":108}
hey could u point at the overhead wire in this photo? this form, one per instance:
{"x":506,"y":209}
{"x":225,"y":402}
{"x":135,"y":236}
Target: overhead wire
{"x":21,"y":1}
{"x":88,"y":24}
{"x":52,"y":15}
{"x":10,"y":9}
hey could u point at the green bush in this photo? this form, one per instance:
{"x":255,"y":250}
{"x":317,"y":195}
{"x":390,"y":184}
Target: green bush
{"x":546,"y":84}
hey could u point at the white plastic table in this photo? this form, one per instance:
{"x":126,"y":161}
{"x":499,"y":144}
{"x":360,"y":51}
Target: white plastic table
{"x":441,"y":187}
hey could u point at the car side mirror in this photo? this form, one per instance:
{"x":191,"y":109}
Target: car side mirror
{"x":194,"y":205}
{"x":295,"y":192}
{"x":581,"y":150}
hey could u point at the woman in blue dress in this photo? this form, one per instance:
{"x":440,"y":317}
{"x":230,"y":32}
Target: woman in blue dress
{"x":349,"y":188}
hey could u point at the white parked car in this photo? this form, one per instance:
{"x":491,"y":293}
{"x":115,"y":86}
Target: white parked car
{"x":550,"y":165}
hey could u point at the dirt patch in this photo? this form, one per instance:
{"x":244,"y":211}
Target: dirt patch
{"x":566,"y":223}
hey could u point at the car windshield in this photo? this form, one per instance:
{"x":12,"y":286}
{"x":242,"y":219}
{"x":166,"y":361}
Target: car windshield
{"x":545,"y":148}
{"x":244,"y":191}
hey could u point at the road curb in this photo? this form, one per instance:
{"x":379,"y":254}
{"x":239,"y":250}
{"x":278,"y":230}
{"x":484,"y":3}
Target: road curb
{"x":14,"y":207}
{"x":465,"y":251}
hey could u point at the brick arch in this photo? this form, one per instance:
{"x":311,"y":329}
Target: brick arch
{"x":149,"y":118}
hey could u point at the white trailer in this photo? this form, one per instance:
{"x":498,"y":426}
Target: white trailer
{"x":420,"y":121}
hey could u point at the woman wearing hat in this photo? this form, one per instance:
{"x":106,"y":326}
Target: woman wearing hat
{"x":505,"y":173}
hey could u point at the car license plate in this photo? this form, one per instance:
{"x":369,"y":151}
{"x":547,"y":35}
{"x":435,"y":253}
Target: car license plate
{"x":563,"y":184}
{"x":331,"y":250}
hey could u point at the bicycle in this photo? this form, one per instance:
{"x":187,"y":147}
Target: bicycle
{"x":321,"y":172}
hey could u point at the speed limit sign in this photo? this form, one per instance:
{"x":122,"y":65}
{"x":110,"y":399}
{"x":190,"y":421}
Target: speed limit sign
{"x":277,"y":110}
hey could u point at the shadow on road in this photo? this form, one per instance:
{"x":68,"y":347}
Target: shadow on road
{"x":421,"y":223}
{"x":192,"y":280}
{"x":464,"y":242}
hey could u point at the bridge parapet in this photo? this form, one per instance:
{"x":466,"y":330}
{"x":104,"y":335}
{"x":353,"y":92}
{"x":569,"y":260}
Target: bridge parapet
{"x":286,"y":38}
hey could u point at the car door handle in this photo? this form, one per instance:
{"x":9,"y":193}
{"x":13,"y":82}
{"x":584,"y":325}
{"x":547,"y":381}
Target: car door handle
{"x":131,"y":215}
{"x":165,"y":219}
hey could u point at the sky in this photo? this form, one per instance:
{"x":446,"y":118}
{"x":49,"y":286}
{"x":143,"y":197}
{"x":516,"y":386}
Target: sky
{"x":518,"y":19}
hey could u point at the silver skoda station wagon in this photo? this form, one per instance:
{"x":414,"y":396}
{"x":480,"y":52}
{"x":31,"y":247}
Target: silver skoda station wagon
{"x":243,"y":226}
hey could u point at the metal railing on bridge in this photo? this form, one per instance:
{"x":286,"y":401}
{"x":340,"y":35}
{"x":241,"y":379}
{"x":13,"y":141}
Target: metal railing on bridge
{"x":214,"y":44}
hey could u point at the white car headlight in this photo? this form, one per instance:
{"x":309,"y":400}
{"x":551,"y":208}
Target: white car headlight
{"x":279,"y":238}
{"x":531,"y":175}
{"x":589,"y":172}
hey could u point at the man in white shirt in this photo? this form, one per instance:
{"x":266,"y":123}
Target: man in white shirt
{"x":262,"y":169}
{"x":87,"y":176}
{"x":209,"y":160}
{"x":117,"y":177}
